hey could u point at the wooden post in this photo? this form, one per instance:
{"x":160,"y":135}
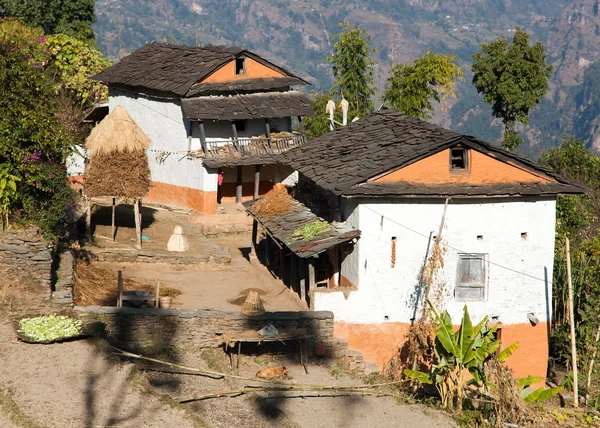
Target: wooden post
{"x":301,"y":125}
{"x":202,"y":136}
{"x":254,"y":236}
{"x":138,"y":225}
{"x":235,"y":135}
{"x":88,"y":220}
{"x":157,"y":292}
{"x":238,"y":187}
{"x":293,"y":271}
{"x":268,"y":132}
{"x":572,"y":324}
{"x":312,"y":281}
{"x":591,"y":366}
{"x":256,"y":181}
{"x":302,"y":280}
{"x":120,"y":289}
{"x":113,"y":218}
{"x":268,"y":250}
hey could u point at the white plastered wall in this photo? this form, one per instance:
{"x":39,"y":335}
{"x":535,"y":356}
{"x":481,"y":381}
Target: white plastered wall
{"x":519,"y":270}
{"x":162,"y":120}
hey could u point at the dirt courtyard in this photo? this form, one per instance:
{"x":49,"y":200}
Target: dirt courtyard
{"x":209,"y":286}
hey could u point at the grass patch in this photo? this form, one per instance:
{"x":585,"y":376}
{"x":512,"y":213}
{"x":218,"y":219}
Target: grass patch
{"x":12,"y":410}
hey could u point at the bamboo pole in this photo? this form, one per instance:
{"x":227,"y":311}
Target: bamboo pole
{"x":112,"y":235}
{"x":138,"y":225}
{"x":572,"y":324}
{"x":591,"y":367}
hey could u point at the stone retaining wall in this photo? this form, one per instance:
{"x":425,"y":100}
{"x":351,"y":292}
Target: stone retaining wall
{"x":192,"y":329}
{"x":25,"y":253}
{"x":214,"y":254}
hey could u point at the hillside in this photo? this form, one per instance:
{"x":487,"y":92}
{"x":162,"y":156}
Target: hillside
{"x":294,"y":33}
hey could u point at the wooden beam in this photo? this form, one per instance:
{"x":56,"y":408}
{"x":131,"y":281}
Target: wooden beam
{"x":202,"y":136}
{"x":235,"y":135}
{"x":138,"y":223}
{"x":112,"y":235}
{"x":254,"y":235}
{"x":120,"y":289}
{"x":256,"y":181}
{"x":293,"y":271}
{"x":238,"y":187}
{"x":88,"y":220}
{"x":312,"y":281}
{"x":268,"y":131}
{"x":303,"y":279}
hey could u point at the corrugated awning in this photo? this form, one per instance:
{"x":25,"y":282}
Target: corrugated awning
{"x":282,"y":226}
{"x":250,"y":106}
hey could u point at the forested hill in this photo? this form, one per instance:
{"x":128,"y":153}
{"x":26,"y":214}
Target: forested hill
{"x":294,"y":33}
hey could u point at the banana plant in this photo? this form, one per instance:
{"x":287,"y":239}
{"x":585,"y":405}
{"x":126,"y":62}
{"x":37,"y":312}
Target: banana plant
{"x":458,"y":353}
{"x":531,"y":395}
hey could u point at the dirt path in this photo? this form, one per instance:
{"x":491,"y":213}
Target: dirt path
{"x":73,"y":385}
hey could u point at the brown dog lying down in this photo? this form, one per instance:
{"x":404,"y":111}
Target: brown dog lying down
{"x":272,"y":373}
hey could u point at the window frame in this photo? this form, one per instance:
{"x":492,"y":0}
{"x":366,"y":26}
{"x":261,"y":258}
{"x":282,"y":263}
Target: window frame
{"x":483,"y":285}
{"x":240,"y":71}
{"x":466,"y":158}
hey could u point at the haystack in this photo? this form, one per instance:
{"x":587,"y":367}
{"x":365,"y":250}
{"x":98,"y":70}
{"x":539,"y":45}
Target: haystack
{"x":118,"y":164}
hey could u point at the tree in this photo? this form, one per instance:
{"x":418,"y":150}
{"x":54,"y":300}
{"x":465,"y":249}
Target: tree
{"x":411,"y":87}
{"x":513,"y":78}
{"x":71,"y":17}
{"x":353,"y":68}
{"x":33,"y":142}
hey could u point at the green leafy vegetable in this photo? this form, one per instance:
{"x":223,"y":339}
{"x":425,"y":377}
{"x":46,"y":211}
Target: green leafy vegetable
{"x":50,"y":327}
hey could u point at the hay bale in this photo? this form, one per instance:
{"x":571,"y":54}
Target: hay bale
{"x":117,"y":132}
{"x":125,"y":174}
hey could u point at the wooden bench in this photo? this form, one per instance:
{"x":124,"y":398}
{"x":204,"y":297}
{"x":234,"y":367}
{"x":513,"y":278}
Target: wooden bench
{"x":135,"y":295}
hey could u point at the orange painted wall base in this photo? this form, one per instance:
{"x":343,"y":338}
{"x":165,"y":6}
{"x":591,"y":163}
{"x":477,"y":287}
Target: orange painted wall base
{"x":182,"y":197}
{"x":378,"y":343}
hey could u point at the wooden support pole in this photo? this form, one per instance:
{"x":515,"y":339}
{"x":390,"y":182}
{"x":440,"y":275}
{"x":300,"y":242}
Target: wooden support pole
{"x":112,"y":235}
{"x":202,"y":136}
{"x":235,"y":135}
{"x":293,"y":271}
{"x":312,"y":281}
{"x":256,"y":181}
{"x":301,"y":125}
{"x":238,"y":187}
{"x":268,"y":250}
{"x":254,"y":236}
{"x":268,"y":132}
{"x":302,"y":280}
{"x":138,"y":225}
{"x":572,"y":324}
{"x":120,"y":289}
{"x":88,"y":220}
{"x":157,"y":291}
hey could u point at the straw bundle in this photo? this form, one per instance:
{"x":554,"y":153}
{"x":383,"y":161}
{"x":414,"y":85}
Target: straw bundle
{"x":277,"y":202}
{"x":119,"y":164}
{"x":118,"y":132}
{"x":253,"y":306}
{"x":124,"y":174}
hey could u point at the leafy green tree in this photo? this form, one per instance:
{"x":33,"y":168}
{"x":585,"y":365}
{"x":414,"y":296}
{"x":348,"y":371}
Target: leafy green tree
{"x":33,"y":142}
{"x":71,"y":17}
{"x":353,"y":67}
{"x":411,"y":87}
{"x":513,"y":78}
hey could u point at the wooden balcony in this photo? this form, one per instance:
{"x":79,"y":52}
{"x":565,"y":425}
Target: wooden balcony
{"x":254,"y":146}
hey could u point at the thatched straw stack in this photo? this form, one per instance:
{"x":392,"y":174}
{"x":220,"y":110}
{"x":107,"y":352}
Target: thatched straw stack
{"x":118,"y":161}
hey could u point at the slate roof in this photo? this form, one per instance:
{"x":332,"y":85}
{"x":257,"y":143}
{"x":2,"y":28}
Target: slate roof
{"x":175,"y":69}
{"x":283,"y":226}
{"x":342,"y":161}
{"x":246,"y":85}
{"x":250,"y":106}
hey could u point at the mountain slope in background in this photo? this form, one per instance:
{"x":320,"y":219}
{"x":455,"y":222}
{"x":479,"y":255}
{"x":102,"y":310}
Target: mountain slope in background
{"x":295,"y":34}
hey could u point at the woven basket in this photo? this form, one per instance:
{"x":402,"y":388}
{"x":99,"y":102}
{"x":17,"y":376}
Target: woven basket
{"x":253,"y":306}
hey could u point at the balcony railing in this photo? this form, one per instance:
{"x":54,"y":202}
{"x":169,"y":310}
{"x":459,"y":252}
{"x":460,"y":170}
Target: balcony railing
{"x":253,"y":146}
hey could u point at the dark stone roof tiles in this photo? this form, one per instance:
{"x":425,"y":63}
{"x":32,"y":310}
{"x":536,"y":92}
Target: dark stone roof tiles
{"x":245,"y":86}
{"x":343,"y":160}
{"x":250,"y":106}
{"x":174,"y":69}
{"x":283,"y":226}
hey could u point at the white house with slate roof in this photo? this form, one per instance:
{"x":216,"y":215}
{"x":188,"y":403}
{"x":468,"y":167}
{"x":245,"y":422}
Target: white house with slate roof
{"x":209,"y":110}
{"x":392,"y":179}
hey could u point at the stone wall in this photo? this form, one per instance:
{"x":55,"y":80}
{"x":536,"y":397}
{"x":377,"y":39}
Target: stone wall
{"x":26,"y":254}
{"x":193,"y":329}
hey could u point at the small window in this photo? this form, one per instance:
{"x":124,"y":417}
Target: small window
{"x":458,"y":159}
{"x":240,"y":125}
{"x":471,"y":277}
{"x":240,"y":66}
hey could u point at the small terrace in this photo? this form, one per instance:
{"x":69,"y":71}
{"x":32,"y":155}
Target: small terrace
{"x":254,"y":146}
